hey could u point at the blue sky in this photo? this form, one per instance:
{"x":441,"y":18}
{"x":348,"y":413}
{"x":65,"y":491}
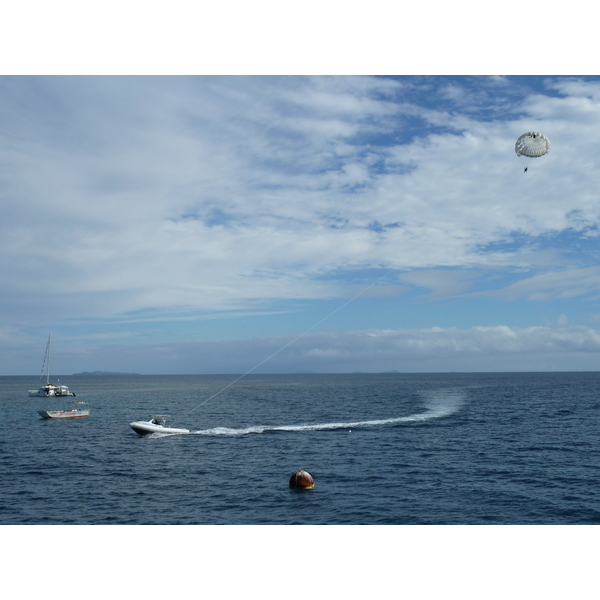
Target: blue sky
{"x":199,"y":224}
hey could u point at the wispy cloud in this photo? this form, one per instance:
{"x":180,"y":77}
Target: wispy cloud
{"x":559,"y":284}
{"x":194,"y":195}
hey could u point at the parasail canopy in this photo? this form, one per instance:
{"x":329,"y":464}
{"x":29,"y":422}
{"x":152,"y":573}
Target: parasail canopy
{"x":532,"y":144}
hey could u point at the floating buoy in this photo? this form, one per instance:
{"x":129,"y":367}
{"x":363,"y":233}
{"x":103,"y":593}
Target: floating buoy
{"x":302,"y":480}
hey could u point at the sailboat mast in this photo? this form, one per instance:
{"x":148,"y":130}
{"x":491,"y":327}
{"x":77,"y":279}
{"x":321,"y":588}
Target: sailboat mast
{"x":48,"y":353}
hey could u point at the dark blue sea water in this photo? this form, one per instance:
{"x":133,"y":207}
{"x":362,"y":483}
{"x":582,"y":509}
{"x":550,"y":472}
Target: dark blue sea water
{"x":383,"y":449}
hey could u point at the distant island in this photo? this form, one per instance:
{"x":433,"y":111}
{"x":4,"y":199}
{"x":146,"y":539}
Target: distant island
{"x":375,"y":372}
{"x":102,"y":373}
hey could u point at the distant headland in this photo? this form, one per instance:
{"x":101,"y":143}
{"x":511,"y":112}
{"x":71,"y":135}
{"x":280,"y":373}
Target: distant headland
{"x":102,"y":373}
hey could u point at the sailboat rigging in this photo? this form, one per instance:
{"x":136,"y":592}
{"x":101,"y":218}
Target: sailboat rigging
{"x":49,"y":389}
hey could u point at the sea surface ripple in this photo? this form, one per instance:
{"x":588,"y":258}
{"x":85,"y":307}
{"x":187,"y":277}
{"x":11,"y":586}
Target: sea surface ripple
{"x":383,"y":449}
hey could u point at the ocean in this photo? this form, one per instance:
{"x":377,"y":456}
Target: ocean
{"x":383,"y":449}
{"x":413,"y":475}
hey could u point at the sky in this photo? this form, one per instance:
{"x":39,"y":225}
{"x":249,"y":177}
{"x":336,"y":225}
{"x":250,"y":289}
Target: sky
{"x":298,"y":223}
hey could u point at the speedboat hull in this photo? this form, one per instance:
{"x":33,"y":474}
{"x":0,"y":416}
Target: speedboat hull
{"x":146,"y":427}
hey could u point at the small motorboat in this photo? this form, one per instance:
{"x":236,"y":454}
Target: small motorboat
{"x":156,"y":424}
{"x":79,"y":411}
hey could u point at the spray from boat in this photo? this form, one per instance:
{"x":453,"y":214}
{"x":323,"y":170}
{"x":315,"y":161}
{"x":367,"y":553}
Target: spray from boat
{"x":441,"y":403}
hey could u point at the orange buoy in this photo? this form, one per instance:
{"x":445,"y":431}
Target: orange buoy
{"x":302,"y":480}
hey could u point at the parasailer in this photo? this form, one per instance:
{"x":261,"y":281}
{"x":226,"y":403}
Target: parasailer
{"x":532,"y":144}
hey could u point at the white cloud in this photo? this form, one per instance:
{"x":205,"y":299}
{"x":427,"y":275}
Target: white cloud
{"x":560,"y":284}
{"x":183,"y":195}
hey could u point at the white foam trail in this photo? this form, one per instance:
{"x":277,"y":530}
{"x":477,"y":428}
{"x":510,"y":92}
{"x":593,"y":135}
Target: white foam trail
{"x":438,"y":404}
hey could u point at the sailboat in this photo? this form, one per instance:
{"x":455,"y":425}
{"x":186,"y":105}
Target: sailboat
{"x":49,"y":389}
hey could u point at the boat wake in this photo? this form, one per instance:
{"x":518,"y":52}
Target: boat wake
{"x":437,"y":404}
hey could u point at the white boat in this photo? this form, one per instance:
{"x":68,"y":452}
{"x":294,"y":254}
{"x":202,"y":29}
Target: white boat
{"x":49,"y":389}
{"x":74,"y":413}
{"x":156,"y":424}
